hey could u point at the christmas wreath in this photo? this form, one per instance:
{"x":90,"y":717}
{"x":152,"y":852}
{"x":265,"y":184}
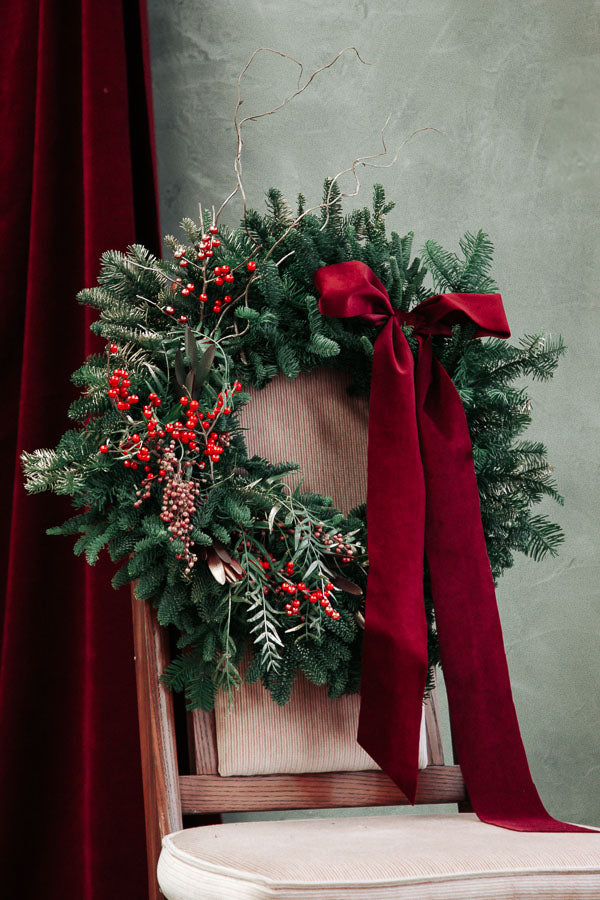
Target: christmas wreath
{"x":157,"y":462}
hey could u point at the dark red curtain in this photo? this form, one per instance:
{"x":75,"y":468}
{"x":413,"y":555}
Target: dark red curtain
{"x":77,"y":177}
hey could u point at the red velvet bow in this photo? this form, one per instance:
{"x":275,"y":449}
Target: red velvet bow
{"x":422,"y":498}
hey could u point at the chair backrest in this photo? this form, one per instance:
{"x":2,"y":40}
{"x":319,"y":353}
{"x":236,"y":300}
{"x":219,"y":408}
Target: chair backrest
{"x":277,"y":420}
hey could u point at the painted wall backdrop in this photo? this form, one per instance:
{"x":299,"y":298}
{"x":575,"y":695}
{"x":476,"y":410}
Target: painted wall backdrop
{"x":514,"y":87}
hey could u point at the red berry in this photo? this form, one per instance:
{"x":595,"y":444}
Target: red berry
{"x":113,"y":348}
{"x":113,"y":392}
{"x":329,"y":586}
{"x":194,"y":406}
{"x":190,"y":286}
{"x":219,"y":281}
{"x":170,"y":310}
{"x":237,"y":386}
{"x":216,"y":242}
{"x":185,"y":293}
{"x":226,"y":410}
{"x":213,"y":229}
{"x":217,"y":270}
{"x":227,"y":298}
{"x":209,"y":253}
{"x":183,"y":263}
{"x":134,"y":398}
{"x":203,"y":298}
{"x":251,"y":266}
{"x":229,"y":277}
{"x":103,"y":448}
{"x":184,"y":401}
{"x":183,"y":319}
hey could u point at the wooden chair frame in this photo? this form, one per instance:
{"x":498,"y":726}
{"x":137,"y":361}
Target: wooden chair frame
{"x":169,"y":794}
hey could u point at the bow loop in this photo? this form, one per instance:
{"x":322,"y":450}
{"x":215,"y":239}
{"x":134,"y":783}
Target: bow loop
{"x":351,"y":289}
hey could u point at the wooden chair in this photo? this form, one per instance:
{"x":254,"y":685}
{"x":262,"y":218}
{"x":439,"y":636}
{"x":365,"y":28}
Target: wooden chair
{"x":408,"y":857}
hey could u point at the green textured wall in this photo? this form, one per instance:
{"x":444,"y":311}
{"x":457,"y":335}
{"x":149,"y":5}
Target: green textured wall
{"x":515,"y":87}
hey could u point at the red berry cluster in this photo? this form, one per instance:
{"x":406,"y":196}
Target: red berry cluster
{"x":208,"y":243}
{"x":135,"y":449}
{"x":282,"y":582}
{"x":222,"y":274}
{"x":323,"y":597}
{"x":118,"y":388}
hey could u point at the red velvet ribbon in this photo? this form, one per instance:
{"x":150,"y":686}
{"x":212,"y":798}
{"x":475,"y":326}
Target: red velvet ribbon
{"x":422,"y":498}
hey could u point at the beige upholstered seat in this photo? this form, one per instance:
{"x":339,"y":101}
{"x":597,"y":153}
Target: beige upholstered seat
{"x":404,"y":857}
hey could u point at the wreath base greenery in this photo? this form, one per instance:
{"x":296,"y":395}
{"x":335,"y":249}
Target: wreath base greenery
{"x":157,"y":460}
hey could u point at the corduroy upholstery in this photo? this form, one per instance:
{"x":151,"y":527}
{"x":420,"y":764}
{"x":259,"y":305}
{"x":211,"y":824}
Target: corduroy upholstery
{"x":311,"y":733}
{"x":404,"y":857}
{"x":315,"y":422}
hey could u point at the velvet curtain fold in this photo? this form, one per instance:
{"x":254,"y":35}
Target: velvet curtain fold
{"x":78,"y":177}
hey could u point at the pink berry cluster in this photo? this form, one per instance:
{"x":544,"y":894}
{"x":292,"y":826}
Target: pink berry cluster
{"x":337,"y":544}
{"x":178,"y":505}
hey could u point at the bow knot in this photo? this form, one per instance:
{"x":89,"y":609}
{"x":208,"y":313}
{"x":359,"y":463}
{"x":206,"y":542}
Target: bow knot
{"x":352,"y":289}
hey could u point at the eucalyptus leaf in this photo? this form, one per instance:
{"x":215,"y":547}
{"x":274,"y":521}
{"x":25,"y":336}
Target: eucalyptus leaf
{"x":189,"y":382}
{"x":203,"y":366}
{"x":346,"y":585}
{"x":191,"y":348}
{"x":217,"y":568}
{"x":272,"y":514}
{"x":180,"y":371}
{"x":311,"y":568}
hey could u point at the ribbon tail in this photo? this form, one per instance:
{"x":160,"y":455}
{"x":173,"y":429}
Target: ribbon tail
{"x":484,"y":721}
{"x":394,"y":665}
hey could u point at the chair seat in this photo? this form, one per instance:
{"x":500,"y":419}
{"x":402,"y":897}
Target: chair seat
{"x":406,"y":857}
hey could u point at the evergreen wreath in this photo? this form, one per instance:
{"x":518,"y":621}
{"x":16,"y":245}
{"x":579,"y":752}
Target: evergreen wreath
{"x":215,"y":539}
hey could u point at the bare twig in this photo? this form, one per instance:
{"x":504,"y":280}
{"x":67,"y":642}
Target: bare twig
{"x":361,"y":161}
{"x":239,"y":124}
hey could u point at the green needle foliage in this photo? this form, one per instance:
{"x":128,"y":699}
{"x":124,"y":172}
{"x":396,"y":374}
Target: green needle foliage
{"x":223,"y":575}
